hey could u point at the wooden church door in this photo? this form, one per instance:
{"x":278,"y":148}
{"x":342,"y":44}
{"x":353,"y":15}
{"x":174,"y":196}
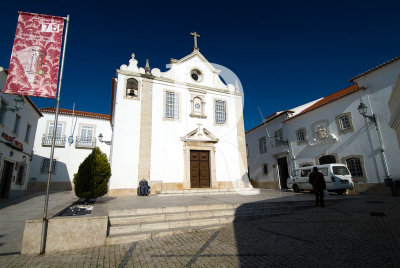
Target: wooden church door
{"x":199,"y":169}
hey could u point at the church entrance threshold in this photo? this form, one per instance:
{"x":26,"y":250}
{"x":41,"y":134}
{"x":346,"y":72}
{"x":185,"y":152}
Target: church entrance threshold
{"x":200,"y":169}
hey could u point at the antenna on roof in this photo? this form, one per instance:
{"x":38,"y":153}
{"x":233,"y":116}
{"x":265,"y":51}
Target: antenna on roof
{"x":265,"y":125}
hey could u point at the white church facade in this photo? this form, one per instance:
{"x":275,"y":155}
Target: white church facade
{"x":181,"y":129}
{"x":332,"y":130}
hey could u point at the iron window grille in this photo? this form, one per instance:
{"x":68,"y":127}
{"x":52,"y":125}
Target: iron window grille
{"x":300,"y":135}
{"x":344,"y":122}
{"x":46,"y":165}
{"x":263,"y":144}
{"x":172,"y":105}
{"x":220,"y":112}
{"x":354,"y":165}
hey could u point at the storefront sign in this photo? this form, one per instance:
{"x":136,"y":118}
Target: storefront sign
{"x":12,"y":141}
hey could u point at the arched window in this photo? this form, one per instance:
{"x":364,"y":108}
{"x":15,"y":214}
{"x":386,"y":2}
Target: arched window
{"x":327,"y":159}
{"x":132,"y":88}
{"x":354,"y":165}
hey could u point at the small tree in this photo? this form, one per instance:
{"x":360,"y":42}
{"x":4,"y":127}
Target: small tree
{"x":93,"y":175}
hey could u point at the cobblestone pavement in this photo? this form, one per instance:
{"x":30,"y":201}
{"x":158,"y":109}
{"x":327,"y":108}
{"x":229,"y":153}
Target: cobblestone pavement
{"x":344,"y":234}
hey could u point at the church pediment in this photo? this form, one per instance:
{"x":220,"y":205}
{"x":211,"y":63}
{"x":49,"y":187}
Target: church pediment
{"x":195,"y":56}
{"x":200,"y":135}
{"x":195,"y":70}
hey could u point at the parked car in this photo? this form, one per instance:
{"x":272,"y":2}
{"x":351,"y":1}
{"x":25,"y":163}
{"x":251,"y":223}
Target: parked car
{"x":337,"y":177}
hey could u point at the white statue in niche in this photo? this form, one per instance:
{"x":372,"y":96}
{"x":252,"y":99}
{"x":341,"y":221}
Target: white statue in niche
{"x":321,"y":133}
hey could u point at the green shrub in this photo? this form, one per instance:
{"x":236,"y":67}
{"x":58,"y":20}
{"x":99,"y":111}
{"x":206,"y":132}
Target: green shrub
{"x":93,"y":175}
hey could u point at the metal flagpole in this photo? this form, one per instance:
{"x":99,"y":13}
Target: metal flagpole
{"x":265,"y":125}
{"x":46,"y":202}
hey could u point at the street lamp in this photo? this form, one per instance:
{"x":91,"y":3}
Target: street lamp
{"x":101,"y":139}
{"x":18,"y":104}
{"x":362,"y":109}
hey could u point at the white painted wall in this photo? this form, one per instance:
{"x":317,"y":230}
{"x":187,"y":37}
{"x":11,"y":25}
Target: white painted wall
{"x":363,"y":141}
{"x":68,"y":157}
{"x":126,"y":136}
{"x":28,"y":116}
{"x":167,"y":151}
{"x":257,"y":159}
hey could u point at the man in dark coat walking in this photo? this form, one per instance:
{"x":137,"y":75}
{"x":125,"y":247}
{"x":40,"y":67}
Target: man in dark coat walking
{"x":317,"y":180}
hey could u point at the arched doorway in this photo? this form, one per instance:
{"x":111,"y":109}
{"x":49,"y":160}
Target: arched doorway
{"x":327,"y":159}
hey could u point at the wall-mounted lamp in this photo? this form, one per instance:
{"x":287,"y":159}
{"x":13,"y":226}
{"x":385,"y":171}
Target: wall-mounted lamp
{"x":18,"y":104}
{"x":362,"y":109}
{"x":101,"y":140}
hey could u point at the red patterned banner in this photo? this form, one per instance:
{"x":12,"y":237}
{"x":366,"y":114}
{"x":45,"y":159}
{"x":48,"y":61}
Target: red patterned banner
{"x":35,"y":56}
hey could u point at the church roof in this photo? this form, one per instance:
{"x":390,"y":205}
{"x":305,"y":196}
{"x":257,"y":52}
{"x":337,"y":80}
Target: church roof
{"x":201,"y":56}
{"x":77,"y":113}
{"x":330,"y":98}
{"x":375,"y":68}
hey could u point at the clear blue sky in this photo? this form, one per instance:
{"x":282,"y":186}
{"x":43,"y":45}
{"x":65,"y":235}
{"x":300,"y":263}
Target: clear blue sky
{"x":286,"y":53}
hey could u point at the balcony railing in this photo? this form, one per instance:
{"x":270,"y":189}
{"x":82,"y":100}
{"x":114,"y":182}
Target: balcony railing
{"x":59,"y":141}
{"x":85,"y":142}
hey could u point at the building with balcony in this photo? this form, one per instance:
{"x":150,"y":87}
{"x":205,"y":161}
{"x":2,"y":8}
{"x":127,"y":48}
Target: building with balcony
{"x":76,"y":135}
{"x":332,"y":130}
{"x":17,"y":128}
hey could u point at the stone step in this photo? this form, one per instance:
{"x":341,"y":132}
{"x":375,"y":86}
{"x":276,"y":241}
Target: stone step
{"x":133,"y":219}
{"x":136,"y":219}
{"x":176,"y":224}
{"x":164,"y":225}
{"x":152,"y":211}
{"x":189,"y":192}
{"x":138,"y":224}
{"x":135,"y":236}
{"x":131,"y":236}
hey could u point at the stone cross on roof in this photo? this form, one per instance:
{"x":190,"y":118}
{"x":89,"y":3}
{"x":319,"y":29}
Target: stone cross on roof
{"x":195,"y":35}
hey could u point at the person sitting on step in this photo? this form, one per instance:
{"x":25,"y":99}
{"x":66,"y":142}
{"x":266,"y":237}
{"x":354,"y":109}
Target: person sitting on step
{"x":144,"y":187}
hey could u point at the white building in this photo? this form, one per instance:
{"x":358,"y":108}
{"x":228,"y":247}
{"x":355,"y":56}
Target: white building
{"x":179,"y":129}
{"x":76,"y":135}
{"x":16,"y":142}
{"x":331,"y":130}
{"x":394,"y":106}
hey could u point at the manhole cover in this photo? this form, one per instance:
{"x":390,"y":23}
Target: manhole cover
{"x":374,"y":202}
{"x":377,"y":214}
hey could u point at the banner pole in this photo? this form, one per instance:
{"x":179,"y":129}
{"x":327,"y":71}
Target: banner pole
{"x":46,"y":202}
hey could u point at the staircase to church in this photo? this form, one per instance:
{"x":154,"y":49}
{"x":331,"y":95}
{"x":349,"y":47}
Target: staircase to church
{"x":139,"y":224}
{"x":209,"y":191}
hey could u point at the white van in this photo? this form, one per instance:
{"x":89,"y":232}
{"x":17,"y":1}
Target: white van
{"x":337,"y":177}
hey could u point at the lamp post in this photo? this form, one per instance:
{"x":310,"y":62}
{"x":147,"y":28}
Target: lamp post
{"x":18,"y":104}
{"x":362,"y":109}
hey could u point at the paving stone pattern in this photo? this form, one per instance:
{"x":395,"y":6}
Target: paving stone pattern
{"x":340,"y":235}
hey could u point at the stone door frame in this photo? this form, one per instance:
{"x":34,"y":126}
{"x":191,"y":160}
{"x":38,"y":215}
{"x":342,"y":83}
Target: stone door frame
{"x":199,"y":146}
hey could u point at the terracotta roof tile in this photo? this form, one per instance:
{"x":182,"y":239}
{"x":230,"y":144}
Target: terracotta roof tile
{"x":78,"y":113}
{"x":328,"y":99}
{"x":375,"y":68}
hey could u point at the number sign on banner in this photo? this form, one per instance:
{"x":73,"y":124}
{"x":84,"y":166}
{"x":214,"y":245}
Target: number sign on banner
{"x":35,"y":56}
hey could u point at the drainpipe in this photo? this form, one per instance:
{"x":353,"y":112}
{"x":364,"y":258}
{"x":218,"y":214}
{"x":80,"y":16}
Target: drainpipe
{"x":385,"y":165}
